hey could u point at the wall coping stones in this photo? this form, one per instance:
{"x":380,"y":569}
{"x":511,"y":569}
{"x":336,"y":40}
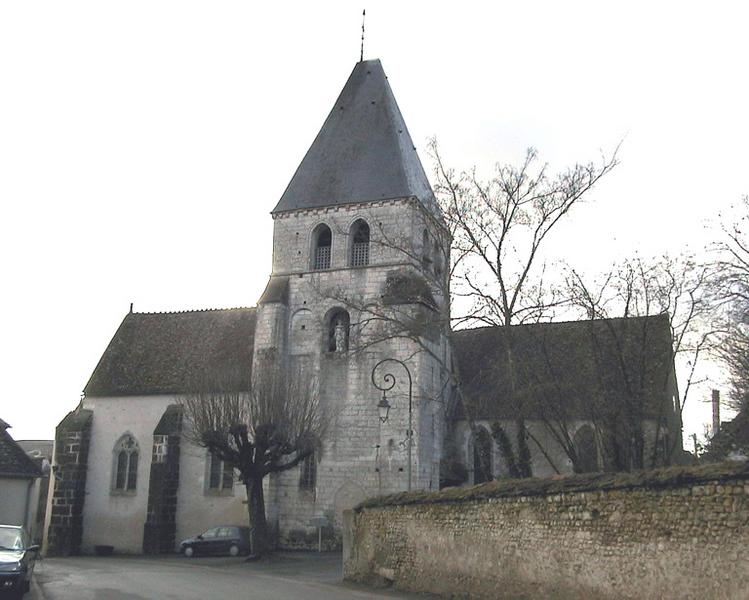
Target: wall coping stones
{"x":590,"y":482}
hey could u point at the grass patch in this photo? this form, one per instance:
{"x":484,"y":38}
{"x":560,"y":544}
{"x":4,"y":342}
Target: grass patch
{"x":652,"y":478}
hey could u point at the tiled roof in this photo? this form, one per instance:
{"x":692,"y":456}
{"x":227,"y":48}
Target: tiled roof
{"x":14,"y":462}
{"x":403,"y":286}
{"x":37,"y":447}
{"x":172,"y":353}
{"x":561,"y":368}
{"x":276,"y":291}
{"x":363,"y":152}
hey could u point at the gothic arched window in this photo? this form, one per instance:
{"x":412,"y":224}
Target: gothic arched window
{"x":586,"y":450}
{"x":359,"y":235}
{"x":322,"y":240}
{"x":482,"y":456}
{"x":125,"y":464}
{"x":337,"y":331}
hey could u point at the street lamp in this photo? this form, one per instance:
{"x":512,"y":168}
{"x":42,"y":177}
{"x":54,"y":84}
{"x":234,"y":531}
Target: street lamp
{"x":383,"y":407}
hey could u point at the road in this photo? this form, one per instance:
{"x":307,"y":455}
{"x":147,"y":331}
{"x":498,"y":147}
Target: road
{"x":287,"y":576}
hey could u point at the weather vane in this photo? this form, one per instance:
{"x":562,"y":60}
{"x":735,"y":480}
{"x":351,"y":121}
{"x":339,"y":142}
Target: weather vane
{"x":363,"y":14}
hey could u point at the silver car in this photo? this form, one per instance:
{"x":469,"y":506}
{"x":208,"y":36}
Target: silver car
{"x":17,"y":558}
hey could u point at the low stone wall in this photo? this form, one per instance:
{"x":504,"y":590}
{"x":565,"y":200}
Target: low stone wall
{"x":671,"y":533}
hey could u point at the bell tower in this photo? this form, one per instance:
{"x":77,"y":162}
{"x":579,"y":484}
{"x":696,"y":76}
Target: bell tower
{"x":358,"y":249}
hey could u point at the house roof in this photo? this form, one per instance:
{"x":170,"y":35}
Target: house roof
{"x":172,"y":353}
{"x":732,"y":436}
{"x":568,"y":370}
{"x":363,"y":153}
{"x":14,"y":462}
{"x":37,"y":448}
{"x":276,"y":291}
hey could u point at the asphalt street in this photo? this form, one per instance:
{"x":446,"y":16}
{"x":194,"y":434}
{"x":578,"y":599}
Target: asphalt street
{"x":284,"y":577}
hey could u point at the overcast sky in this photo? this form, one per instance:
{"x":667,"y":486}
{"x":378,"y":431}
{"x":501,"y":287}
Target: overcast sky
{"x":144,"y":143}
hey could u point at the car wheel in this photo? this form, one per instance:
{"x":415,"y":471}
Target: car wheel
{"x":234,"y":550}
{"x":189,"y":552}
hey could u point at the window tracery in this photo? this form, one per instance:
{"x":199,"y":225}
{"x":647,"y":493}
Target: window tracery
{"x":126,"y":454}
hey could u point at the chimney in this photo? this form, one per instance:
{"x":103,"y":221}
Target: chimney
{"x":716,"y":412}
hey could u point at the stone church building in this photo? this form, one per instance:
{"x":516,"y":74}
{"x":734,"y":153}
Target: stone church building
{"x":125,"y":474}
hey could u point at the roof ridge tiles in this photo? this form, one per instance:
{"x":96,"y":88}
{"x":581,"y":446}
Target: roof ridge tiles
{"x":192,"y":310}
{"x":566,"y":322}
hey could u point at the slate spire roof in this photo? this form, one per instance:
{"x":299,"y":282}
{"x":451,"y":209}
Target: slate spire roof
{"x":363,"y":152}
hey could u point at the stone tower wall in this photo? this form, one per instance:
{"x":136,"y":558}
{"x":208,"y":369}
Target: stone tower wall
{"x":361,"y":457}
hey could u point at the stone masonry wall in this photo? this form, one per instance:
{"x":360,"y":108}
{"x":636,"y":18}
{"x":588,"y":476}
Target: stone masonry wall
{"x":672,"y":533}
{"x":70,"y":462}
{"x":360,"y":457}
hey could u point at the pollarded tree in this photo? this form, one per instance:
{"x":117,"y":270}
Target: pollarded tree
{"x":270,"y":428}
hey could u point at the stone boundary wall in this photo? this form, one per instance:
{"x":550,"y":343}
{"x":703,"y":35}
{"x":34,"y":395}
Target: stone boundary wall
{"x":675,"y":533}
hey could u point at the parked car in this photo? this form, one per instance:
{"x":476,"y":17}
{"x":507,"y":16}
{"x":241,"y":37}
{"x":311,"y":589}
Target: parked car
{"x":17,"y":558}
{"x":227,"y":539}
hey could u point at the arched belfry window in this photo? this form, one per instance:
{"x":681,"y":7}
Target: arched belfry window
{"x":359,"y":243}
{"x":125,"y":464}
{"x":322,"y":240}
{"x":482,"y":456}
{"x":338,"y":331}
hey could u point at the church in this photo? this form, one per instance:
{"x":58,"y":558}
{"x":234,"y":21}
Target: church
{"x":356,"y":232}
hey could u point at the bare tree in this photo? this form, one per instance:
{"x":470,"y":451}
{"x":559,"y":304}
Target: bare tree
{"x":499,"y":228}
{"x":484,"y":251}
{"x":729,"y":295}
{"x":675,"y":288}
{"x":268,"y":429}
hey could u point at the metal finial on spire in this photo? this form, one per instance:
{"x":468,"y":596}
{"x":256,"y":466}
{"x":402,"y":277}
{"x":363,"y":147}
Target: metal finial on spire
{"x":363,"y":14}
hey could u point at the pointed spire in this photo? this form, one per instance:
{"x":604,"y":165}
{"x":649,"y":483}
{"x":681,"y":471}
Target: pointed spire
{"x":363,"y":153}
{"x":363,"y":15}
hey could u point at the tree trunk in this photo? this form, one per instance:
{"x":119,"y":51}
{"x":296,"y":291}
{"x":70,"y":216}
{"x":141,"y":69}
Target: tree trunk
{"x":524,"y":463}
{"x":259,"y":543}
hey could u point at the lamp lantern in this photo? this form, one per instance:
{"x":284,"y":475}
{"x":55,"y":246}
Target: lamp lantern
{"x":383,"y":407}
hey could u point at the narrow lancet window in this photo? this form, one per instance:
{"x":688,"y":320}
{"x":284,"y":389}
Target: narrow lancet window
{"x":308,"y":474}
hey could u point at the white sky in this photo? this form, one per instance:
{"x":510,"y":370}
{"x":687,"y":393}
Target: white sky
{"x":143,"y":143}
